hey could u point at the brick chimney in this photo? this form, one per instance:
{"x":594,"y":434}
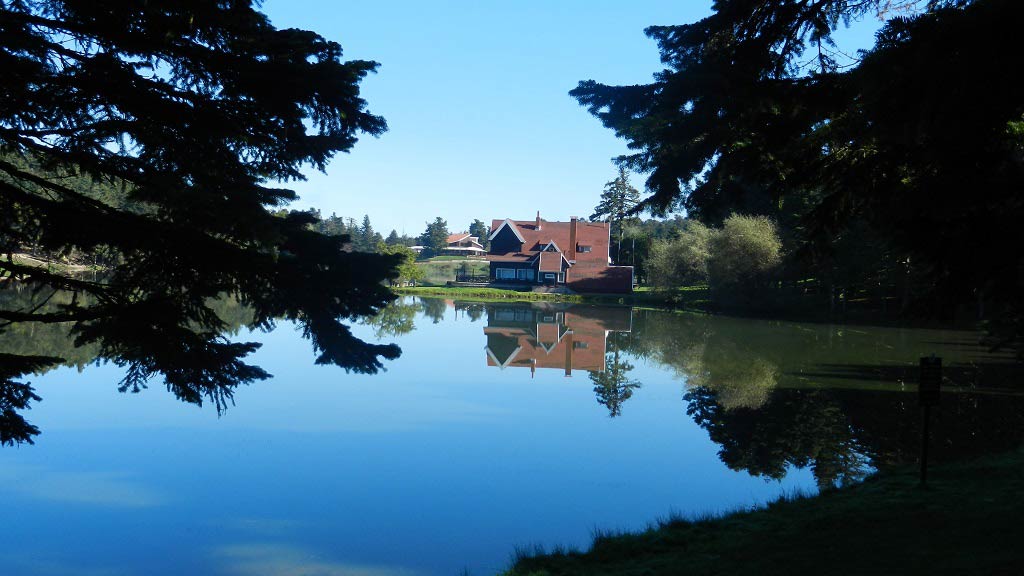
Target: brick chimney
{"x":538,"y":220}
{"x":571,"y":250}
{"x":568,"y":354}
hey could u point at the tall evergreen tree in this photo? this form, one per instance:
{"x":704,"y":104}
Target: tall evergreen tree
{"x":368,"y":238}
{"x":619,"y":202}
{"x":481,"y":231}
{"x":194,"y":109}
{"x":393,"y":239}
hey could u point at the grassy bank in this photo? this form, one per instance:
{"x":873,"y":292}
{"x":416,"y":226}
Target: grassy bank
{"x":486,"y":294}
{"x":685,"y":298}
{"x":968,"y":521}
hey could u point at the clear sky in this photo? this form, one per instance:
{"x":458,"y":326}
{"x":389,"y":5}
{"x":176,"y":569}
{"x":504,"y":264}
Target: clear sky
{"x":475,"y":94}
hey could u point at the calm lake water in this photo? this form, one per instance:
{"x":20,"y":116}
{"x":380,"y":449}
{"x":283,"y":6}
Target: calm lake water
{"x":500,"y":426}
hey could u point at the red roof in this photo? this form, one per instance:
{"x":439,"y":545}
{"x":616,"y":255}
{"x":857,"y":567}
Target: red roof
{"x":510,"y":257}
{"x":457,"y":237}
{"x":593,"y":234}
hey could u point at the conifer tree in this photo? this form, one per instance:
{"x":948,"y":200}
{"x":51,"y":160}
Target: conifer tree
{"x":480,"y":230}
{"x":618,"y":204}
{"x":367,"y":237}
{"x":921,"y":137}
{"x":198,"y":112}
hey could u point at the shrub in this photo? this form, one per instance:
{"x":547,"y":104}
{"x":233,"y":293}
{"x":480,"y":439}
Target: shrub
{"x":743,"y":255}
{"x":681,"y":261}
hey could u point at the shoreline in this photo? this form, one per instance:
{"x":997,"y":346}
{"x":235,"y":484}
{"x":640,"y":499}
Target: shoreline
{"x":499,"y":294}
{"x":966,"y":521}
{"x":688,"y":299}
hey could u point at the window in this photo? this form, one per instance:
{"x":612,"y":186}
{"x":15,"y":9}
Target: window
{"x":577,"y":345}
{"x":581,"y":248}
{"x":512,"y":315}
{"x":505,"y":274}
{"x":524,"y":274}
{"x":561,"y":277}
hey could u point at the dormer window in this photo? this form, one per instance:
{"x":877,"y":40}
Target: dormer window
{"x":582,"y":248}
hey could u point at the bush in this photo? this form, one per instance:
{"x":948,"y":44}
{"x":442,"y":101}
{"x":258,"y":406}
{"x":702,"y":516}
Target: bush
{"x":743,"y":255}
{"x":682,"y":261}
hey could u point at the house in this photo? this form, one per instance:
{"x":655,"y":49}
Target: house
{"x":574,"y":254}
{"x":462,"y":244}
{"x":561,"y":338}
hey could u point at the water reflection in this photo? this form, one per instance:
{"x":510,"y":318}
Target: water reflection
{"x":837,"y":400}
{"x":335,"y":473}
{"x":792,"y":428}
{"x":613,"y":385}
{"x":35,"y":348}
{"x":558,"y":337}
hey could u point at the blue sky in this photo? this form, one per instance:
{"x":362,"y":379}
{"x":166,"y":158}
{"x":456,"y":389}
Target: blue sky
{"x":476,"y":99}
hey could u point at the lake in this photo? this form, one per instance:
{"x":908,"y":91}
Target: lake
{"x":502,"y":426}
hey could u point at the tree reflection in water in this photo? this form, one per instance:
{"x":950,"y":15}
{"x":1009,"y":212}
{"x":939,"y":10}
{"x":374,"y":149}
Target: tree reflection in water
{"x":395,"y":319}
{"x":613,"y":385}
{"x":773,"y":395}
{"x":776,"y":395}
{"x":35,"y":348}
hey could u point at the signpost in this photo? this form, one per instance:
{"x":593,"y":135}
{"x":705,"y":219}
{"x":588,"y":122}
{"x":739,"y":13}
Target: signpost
{"x":928,"y":395}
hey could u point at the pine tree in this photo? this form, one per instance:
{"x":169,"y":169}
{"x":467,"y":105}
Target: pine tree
{"x":194,"y":109}
{"x":619,"y":202}
{"x":481,"y":231}
{"x":367,"y":237}
{"x":921,"y":137}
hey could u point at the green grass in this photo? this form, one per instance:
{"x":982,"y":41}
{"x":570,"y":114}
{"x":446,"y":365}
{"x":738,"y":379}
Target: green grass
{"x":968,"y":521}
{"x":692,"y":298}
{"x":486,"y":294}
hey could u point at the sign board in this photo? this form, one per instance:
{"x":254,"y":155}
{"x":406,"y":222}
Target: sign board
{"x":931,"y":379}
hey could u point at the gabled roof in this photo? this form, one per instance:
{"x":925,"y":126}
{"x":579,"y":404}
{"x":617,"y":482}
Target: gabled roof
{"x":503,"y":364}
{"x":549,"y":245}
{"x":594,"y":234}
{"x":511,"y":225}
{"x":457,"y":237}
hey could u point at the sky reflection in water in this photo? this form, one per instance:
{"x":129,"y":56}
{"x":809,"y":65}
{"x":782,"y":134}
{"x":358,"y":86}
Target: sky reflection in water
{"x":445,"y":461}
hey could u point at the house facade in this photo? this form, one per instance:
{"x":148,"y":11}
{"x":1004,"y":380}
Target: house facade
{"x":574,"y":254}
{"x":462,"y":244}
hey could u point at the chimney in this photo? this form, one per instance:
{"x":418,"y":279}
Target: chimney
{"x":573,"y":223}
{"x":568,"y":354}
{"x":538,"y":220}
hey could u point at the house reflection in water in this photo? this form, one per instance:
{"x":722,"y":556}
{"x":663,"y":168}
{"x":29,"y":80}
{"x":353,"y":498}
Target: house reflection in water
{"x":563,"y":337}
